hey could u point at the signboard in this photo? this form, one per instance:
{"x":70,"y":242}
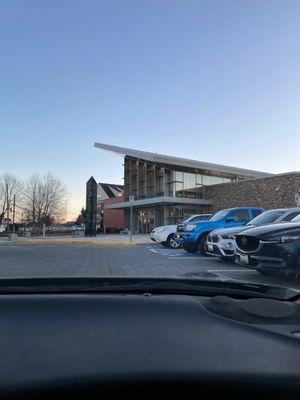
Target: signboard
{"x":91,"y":207}
{"x":131,"y":199}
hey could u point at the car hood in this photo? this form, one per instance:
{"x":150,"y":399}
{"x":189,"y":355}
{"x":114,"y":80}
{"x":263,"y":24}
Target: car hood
{"x":201,"y":223}
{"x":274,"y":230}
{"x":233,"y":230}
{"x":165,"y":227}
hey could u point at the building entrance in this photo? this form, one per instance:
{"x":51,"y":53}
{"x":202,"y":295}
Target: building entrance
{"x":146,"y":220}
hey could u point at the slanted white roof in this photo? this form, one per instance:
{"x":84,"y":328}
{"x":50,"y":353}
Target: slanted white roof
{"x":182,"y":162}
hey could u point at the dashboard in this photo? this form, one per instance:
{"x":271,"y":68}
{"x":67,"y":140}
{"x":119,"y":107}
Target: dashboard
{"x":147,"y":346}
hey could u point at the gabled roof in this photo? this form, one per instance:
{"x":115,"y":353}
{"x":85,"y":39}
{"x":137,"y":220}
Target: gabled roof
{"x":109,"y":190}
{"x":182,"y":162}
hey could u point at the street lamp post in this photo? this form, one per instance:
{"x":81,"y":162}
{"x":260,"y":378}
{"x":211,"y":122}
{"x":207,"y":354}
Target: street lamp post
{"x":131,"y":200}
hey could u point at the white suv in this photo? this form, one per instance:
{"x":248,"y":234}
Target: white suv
{"x":166,"y":235}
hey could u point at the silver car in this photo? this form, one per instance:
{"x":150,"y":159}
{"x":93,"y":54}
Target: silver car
{"x":221,"y":242}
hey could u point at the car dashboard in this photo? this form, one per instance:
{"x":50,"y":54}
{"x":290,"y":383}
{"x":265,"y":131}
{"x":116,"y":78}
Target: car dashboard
{"x":147,"y":346}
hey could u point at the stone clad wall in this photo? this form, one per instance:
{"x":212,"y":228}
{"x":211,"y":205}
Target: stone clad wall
{"x":271,"y":192}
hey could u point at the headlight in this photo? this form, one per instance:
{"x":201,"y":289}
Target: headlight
{"x":282,"y":239}
{"x":288,"y":239}
{"x":190,"y":228}
{"x":228,"y":236}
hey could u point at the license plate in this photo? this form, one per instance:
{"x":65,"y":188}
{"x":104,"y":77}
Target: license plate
{"x":244,"y":259}
{"x":210,"y":247}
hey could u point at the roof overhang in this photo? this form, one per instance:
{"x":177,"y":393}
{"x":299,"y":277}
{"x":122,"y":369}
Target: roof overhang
{"x":153,"y":201}
{"x":181,"y":162}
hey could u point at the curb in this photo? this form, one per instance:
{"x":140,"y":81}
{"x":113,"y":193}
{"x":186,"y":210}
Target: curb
{"x":74,"y":242}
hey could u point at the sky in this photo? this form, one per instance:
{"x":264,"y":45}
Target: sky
{"x":215,"y":80}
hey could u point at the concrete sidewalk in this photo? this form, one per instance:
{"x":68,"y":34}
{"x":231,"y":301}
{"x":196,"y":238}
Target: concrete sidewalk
{"x":100,"y":240}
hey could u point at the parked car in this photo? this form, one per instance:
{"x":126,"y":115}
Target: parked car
{"x":221,"y":242}
{"x":193,"y":235}
{"x":166,"y":235}
{"x":271,"y":249}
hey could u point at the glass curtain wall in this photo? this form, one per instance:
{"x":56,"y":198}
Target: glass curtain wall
{"x":188,"y":185}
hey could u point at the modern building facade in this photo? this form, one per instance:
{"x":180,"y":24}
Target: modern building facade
{"x":164,"y":189}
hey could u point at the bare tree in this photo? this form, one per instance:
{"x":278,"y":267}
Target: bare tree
{"x":43,"y":199}
{"x":9,"y":186}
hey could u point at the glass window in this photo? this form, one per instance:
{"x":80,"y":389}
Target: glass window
{"x":200,"y":218}
{"x":207,"y":180}
{"x":267,"y":217}
{"x":189,"y":185}
{"x":178,"y":176}
{"x":216,"y":180}
{"x":296,"y":219}
{"x":255,"y":213}
{"x":178,"y":189}
{"x":198,"y":191}
{"x":240,"y":215}
{"x":199,"y":179}
{"x":219,"y":215}
{"x":290,"y":216}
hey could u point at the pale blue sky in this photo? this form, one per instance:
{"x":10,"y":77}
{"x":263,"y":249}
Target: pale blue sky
{"x":217,"y":81}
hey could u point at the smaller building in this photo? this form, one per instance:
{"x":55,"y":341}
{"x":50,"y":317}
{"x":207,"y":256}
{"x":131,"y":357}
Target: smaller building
{"x":109,"y":220}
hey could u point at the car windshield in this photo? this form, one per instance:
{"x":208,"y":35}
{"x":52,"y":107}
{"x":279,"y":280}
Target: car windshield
{"x":184,"y":220}
{"x":219,"y":215}
{"x":122,"y":120}
{"x":267,"y":217}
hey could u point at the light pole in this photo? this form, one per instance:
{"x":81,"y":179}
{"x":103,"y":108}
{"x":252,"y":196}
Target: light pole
{"x":14,"y":212}
{"x":131,"y":200}
{"x":7,"y":209}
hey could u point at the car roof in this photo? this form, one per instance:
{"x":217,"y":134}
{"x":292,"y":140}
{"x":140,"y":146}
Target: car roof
{"x":242,"y":208}
{"x":291,"y":209}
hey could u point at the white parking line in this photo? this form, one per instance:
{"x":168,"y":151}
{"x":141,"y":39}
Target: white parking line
{"x":154,"y":251}
{"x":183,"y":258}
{"x":189,"y":258}
{"x":230,"y":270}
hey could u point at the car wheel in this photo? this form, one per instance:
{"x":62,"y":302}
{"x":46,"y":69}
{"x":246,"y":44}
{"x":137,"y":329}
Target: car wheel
{"x":201,"y":244}
{"x":173,"y":242}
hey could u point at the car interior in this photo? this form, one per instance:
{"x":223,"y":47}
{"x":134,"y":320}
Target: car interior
{"x":119,"y":341}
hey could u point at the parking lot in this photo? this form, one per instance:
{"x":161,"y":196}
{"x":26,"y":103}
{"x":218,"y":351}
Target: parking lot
{"x":152,"y":260}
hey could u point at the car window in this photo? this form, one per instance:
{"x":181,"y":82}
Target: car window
{"x":267,"y":217}
{"x":240,"y":215}
{"x":255,"y":213}
{"x":219,"y":215}
{"x":199,"y":218}
{"x":296,"y":219}
{"x":290,"y":216}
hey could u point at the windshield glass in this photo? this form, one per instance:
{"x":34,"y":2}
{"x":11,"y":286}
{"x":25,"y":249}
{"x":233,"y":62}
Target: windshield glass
{"x":119,"y":117}
{"x":219,"y":215}
{"x":267,"y":217}
{"x":184,"y":220}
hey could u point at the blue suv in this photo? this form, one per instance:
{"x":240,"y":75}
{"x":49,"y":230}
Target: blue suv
{"x":193,"y":235}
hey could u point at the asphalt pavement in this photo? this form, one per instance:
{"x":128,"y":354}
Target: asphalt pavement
{"x":151,"y":260}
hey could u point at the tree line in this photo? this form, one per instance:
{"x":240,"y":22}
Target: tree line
{"x":37,"y":200}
